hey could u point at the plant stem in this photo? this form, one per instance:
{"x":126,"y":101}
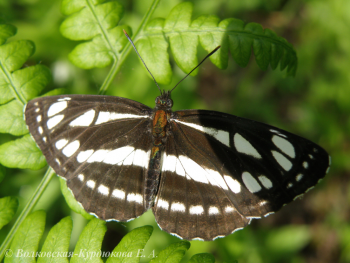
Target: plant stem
{"x":27,"y":209}
{"x":127,"y":49}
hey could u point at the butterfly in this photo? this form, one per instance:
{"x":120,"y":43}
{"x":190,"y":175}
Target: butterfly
{"x":204,"y":174}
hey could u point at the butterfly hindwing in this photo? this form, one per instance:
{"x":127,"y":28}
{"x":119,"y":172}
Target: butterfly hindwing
{"x":94,"y":142}
{"x":190,"y":203}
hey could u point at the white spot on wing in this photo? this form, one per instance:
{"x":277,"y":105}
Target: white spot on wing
{"x":213,"y":210}
{"x":265,"y":181}
{"x":243,"y":146}
{"x":90,"y":184}
{"x":117,"y":193}
{"x":84,"y":119}
{"x":193,"y":170}
{"x":180,"y":207}
{"x":229,"y":209}
{"x":163,"y":204}
{"x":135,"y":198}
{"x":52,"y":122}
{"x":64,"y":99}
{"x":105,"y":116}
{"x":196,"y":210}
{"x":220,"y":135}
{"x":305,"y":165}
{"x":141,"y":158}
{"x":40,"y":130}
{"x":129,"y":159}
{"x":61,"y":143}
{"x":282,"y":161}
{"x":38,"y":118}
{"x":179,"y":170}
{"x":234,"y":185}
{"x":56,"y":108}
{"x":118,"y":155}
{"x":98,"y":156}
{"x":84,"y":155}
{"x":102,"y":189}
{"x":169,"y":163}
{"x":216,"y":179}
{"x":278,"y":133}
{"x":284,"y":145}
{"x":81,"y":177}
{"x":71,"y":148}
{"x":299,"y":177}
{"x":250,"y":182}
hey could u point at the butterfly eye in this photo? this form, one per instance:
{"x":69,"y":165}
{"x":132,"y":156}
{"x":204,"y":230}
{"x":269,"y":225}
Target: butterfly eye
{"x":169,"y":102}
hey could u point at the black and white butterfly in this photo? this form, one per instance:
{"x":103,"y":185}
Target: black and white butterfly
{"x":205,"y":174}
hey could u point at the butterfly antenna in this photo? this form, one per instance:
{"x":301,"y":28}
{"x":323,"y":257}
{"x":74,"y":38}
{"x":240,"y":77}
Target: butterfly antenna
{"x":132,"y":43}
{"x":211,"y":53}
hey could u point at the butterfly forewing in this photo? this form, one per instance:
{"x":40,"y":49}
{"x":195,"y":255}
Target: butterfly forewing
{"x":95,"y":143}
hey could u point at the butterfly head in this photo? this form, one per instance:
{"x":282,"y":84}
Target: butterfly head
{"x":164,"y":101}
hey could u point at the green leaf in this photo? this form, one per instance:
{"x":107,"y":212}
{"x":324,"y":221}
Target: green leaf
{"x":29,"y":81}
{"x":26,"y":240}
{"x":212,"y":37}
{"x":8,"y":208}
{"x":202,"y":258}
{"x":183,"y":42}
{"x":131,"y":246}
{"x":32,"y":80}
{"x":12,"y":118}
{"x":231,"y":34}
{"x":6,"y":31}
{"x":154,"y":50}
{"x":12,"y":57}
{"x":57,"y":242}
{"x":72,"y":202}
{"x":88,"y":247}
{"x":97,"y":21}
{"x":172,"y":254}
{"x":14,"y":54}
{"x":96,"y":53}
{"x":22,"y":153}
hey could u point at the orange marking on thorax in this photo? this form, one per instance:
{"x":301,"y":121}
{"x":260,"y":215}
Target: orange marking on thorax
{"x":159,"y":123}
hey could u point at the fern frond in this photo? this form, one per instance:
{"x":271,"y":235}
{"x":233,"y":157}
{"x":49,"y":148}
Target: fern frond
{"x":233,"y":35}
{"x":17,"y":86}
{"x":96,"y":21}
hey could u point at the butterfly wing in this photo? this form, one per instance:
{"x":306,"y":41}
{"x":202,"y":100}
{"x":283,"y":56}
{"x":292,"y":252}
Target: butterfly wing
{"x":84,"y":137}
{"x":219,"y":171}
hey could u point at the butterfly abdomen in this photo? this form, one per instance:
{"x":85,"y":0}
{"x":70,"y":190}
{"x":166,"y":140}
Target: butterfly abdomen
{"x":159,"y":125}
